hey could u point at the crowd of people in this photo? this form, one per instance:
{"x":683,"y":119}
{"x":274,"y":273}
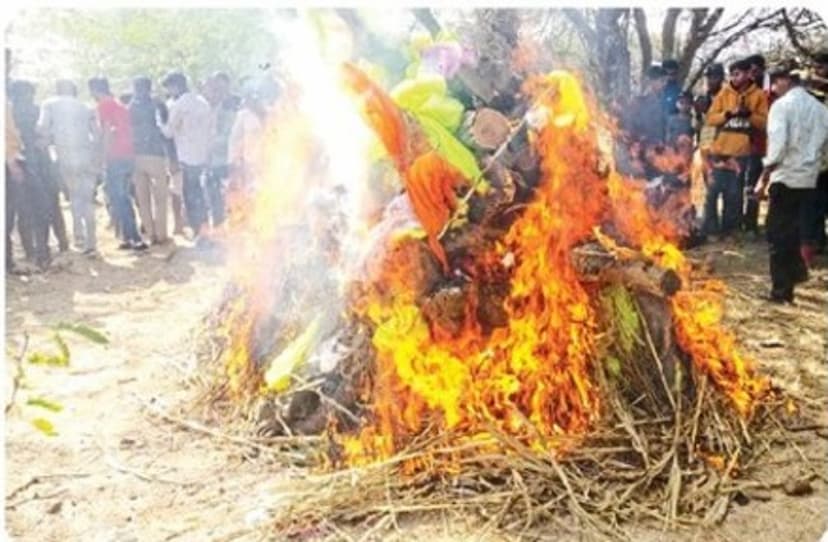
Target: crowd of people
{"x":752,"y":131}
{"x":756,"y":134}
{"x":157,"y":155}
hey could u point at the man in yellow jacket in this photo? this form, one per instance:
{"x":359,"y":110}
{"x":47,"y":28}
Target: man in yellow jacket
{"x":738,"y":110}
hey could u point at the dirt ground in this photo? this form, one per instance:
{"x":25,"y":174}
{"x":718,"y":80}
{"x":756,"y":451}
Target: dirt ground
{"x":116,"y":472}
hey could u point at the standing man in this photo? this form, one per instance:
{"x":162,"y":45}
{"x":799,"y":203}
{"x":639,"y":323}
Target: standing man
{"x":14,"y":175}
{"x":42,"y":197}
{"x":797,"y":137}
{"x":224,"y":107}
{"x":150,"y":176}
{"x":72,"y":128}
{"x":758,"y":144}
{"x":816,"y":208}
{"x":672,"y":88}
{"x":713,"y":80}
{"x":738,"y":109}
{"x":189,"y":125}
{"x":26,"y":114}
{"x":118,"y":150}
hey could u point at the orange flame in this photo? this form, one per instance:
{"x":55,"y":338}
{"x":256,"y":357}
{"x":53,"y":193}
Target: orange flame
{"x":533,"y":378}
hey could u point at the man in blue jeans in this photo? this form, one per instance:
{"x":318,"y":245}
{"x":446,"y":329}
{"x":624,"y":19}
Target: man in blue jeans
{"x":189,"y":125}
{"x":739,"y":109}
{"x":116,"y":128}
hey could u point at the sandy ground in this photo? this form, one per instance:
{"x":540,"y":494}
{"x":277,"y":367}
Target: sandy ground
{"x":117,"y":473}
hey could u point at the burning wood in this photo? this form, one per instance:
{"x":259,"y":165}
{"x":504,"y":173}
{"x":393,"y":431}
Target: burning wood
{"x":556,"y":326}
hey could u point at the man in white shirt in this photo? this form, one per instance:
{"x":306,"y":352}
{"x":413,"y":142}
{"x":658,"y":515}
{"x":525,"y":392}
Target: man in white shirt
{"x":797,"y":137}
{"x":189,"y":124}
{"x":71,"y":126}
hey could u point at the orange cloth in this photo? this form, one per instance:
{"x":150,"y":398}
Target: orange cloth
{"x":430,"y":183}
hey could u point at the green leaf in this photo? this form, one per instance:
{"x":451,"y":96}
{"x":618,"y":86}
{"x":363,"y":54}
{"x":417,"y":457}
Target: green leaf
{"x":84,"y":331}
{"x":613,"y":366}
{"x":52,"y":360}
{"x":45,"y":403}
{"x":450,"y":148}
{"x":64,"y":348}
{"x":44,"y":426}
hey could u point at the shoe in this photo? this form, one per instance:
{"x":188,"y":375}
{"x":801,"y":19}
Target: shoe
{"x":91,"y":252}
{"x":140,"y":245}
{"x":125,"y":246}
{"x":778,"y":299}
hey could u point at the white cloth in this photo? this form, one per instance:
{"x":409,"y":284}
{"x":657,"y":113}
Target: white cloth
{"x":190,"y":125}
{"x":70,"y":126}
{"x":797,"y":138}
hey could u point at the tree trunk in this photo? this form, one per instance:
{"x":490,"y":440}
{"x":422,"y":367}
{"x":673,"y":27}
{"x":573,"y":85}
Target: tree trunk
{"x":668,"y":33}
{"x":644,"y":41}
{"x":606,"y":42}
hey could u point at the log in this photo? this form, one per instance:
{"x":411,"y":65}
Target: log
{"x":488,"y":129}
{"x":594,"y":264}
{"x":445,"y":309}
{"x":653,"y":373}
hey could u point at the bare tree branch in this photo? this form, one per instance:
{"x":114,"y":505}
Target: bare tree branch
{"x":769,"y":20}
{"x":712,"y":20}
{"x":427,"y":19}
{"x":726,"y":29}
{"x":668,"y":32}
{"x":795,"y":34}
{"x":643,"y":39}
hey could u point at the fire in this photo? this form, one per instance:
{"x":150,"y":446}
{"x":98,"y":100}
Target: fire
{"x":257,"y":226}
{"x":532,"y":379}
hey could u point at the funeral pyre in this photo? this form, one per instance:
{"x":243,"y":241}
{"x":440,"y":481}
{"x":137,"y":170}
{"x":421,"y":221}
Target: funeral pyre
{"x":471,"y":309}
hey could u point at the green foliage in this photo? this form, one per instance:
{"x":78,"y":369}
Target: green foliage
{"x":44,"y":426}
{"x":622,"y":314}
{"x":450,"y":148}
{"x":84,"y":331}
{"x":61,"y":358}
{"x":44,"y":403}
{"x":52,"y":360}
{"x":613,"y":365}
{"x":124,"y":43}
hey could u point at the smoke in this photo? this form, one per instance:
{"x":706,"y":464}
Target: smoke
{"x":305,"y":219}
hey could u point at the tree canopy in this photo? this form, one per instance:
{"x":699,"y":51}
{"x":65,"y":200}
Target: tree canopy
{"x":123,"y":43}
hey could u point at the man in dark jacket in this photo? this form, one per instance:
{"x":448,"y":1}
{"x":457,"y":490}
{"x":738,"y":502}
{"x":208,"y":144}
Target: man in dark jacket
{"x":40,"y":188}
{"x":150,"y":176}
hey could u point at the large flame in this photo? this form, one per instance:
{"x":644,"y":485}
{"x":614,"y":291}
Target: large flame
{"x":532,"y":379}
